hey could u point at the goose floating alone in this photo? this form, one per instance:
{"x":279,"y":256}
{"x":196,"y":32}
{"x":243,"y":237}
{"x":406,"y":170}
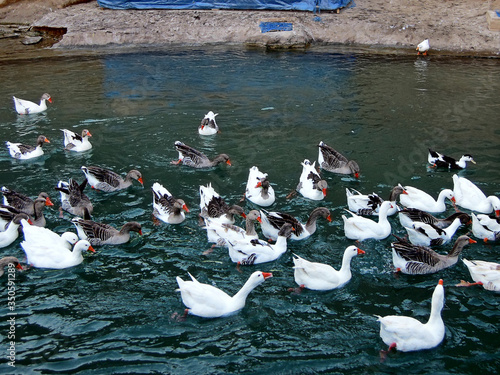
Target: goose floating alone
{"x":75,"y":142}
{"x":423,"y":47}
{"x":25,"y":107}
{"x":208,"y":125}
{"x":442,"y":161}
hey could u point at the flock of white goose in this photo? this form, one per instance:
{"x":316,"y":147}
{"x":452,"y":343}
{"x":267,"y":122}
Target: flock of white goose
{"x":414,"y":255}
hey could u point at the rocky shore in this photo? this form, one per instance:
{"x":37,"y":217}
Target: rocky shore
{"x":453,"y":27}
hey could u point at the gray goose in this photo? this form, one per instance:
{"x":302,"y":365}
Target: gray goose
{"x":22,"y":202}
{"x":73,"y":199}
{"x":9,"y":260}
{"x":333,"y":161}
{"x":408,"y":215}
{"x":99,"y":234}
{"x":107,"y":180}
{"x":196,"y":159}
{"x":420,"y":260}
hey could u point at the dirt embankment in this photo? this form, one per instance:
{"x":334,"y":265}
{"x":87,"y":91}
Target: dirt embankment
{"x":452,"y":26}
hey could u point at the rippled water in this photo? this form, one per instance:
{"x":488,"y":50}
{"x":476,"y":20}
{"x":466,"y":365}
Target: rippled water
{"x":114,"y":313}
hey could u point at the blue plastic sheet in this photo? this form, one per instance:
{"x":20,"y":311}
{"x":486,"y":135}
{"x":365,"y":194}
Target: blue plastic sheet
{"x":303,"y":5}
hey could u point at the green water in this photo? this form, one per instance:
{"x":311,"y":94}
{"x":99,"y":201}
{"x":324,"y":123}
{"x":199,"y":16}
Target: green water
{"x":115,"y":313}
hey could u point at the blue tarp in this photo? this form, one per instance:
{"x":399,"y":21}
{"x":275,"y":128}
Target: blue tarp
{"x":304,"y":5}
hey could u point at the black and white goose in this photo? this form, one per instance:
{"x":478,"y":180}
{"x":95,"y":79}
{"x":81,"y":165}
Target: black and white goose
{"x":208,"y":125}
{"x":442,"y":161}
{"x":76,"y":142}
{"x":73,"y":199}
{"x":167,"y":208}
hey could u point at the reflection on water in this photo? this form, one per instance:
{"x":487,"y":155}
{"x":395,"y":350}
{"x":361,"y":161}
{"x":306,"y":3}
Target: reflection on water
{"x":115,"y":311}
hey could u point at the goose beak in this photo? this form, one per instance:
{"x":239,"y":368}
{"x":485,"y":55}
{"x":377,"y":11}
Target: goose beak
{"x":91,"y":249}
{"x":361,"y":251}
{"x":185,"y":208}
{"x":267,"y":275}
{"x":48,"y":202}
{"x":141,"y":181}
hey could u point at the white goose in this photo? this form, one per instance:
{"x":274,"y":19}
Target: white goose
{"x":320,"y":276}
{"x":311,"y":185}
{"x":23,"y":152}
{"x":212,"y":205}
{"x":208,"y":301}
{"x":423,"y":47}
{"x":12,"y":232}
{"x":361,"y":228}
{"x":259,"y":191}
{"x":208,"y":125}
{"x":76,"y":142}
{"x":485,"y":228}
{"x":56,"y":257}
{"x":273,"y":221}
{"x":25,"y":107}
{"x":483,"y":273}
{"x":407,"y":334}
{"x":222,"y":233}
{"x":416,"y":198}
{"x":167,"y":208}
{"x":468,"y":195}
{"x":369,"y":204}
{"x":424,"y":234}
{"x":39,"y":235}
{"x":255,"y":251}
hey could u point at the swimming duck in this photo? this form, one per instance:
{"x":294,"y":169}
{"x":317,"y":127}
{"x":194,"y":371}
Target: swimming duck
{"x":416,"y":198}
{"x":73,"y":199}
{"x":409,"y":215}
{"x":12,"y":231}
{"x":333,"y":161}
{"x":167,"y":208}
{"x":25,"y":107}
{"x":424,"y":234}
{"x":254,"y":251}
{"x":23,"y":152}
{"x":483,"y":273}
{"x":196,"y":159}
{"x":485,"y":228}
{"x":407,"y":334}
{"x":361,"y":228}
{"x":469,"y":196}
{"x":5,"y":261}
{"x":439,"y":160}
{"x":207,"y":301}
{"x":320,"y":276}
{"x":99,"y":234}
{"x":108,"y":181}
{"x":419,"y":260}
{"x":214,"y":207}
{"x":259,"y":191}
{"x":55,"y":256}
{"x":369,"y":204}
{"x":39,"y":235}
{"x":273,"y":221}
{"x":76,"y":142}
{"x":208,"y":125}
{"x":311,"y":185}
{"x":423,"y":47}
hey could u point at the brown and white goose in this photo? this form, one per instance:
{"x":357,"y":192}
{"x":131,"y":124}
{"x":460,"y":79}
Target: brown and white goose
{"x":272,"y":222}
{"x":24,"y":151}
{"x":213,"y":206}
{"x":25,"y":107}
{"x":409,"y":215}
{"x":167,"y":208}
{"x":107,"y":180}
{"x":193,"y":158}
{"x":99,"y":234}
{"x":420,"y":260}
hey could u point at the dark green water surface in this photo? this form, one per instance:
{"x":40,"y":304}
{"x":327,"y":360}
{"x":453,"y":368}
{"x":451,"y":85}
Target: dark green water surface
{"x":115,"y":313}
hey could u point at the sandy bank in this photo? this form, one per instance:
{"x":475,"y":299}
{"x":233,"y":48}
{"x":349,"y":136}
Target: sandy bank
{"x":453,"y":27}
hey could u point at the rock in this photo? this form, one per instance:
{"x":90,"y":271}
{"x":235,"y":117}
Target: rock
{"x":31,"y":40}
